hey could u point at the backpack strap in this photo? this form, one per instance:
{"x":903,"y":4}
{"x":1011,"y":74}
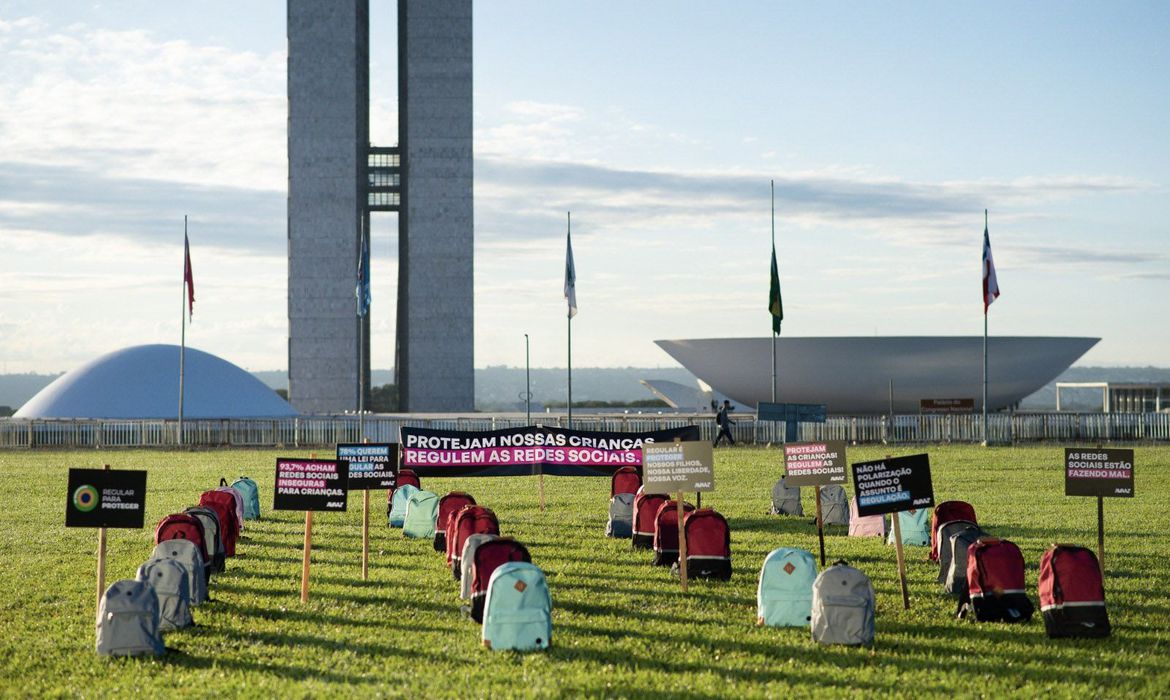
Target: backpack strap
{"x":223,"y":481}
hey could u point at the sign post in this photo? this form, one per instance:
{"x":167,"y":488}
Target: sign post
{"x":815,"y":464}
{"x":371,"y":466}
{"x":105,"y":498}
{"x":1101,"y":473}
{"x":678,"y":468}
{"x":308,"y":485}
{"x":892,"y":485}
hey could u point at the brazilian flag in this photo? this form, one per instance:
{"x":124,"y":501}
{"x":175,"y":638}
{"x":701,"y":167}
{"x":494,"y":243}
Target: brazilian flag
{"x":775,"y":305}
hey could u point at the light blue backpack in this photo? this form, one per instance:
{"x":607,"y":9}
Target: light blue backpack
{"x":421,"y":511}
{"x":251,"y":494}
{"x":784,"y":596}
{"x":518,"y":610}
{"x":399,"y":502}
{"x":915,"y":526}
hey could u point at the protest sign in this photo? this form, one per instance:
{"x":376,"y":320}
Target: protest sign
{"x":673,"y":467}
{"x":106,"y":498}
{"x":372,"y":465}
{"x":893,"y":484}
{"x":311,"y":484}
{"x":814,"y":463}
{"x":1098,"y":472}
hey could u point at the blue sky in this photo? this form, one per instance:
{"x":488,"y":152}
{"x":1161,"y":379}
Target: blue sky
{"x":888,"y":129}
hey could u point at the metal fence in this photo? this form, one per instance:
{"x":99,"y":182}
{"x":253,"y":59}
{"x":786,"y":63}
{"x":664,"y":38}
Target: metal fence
{"x":321,"y":431}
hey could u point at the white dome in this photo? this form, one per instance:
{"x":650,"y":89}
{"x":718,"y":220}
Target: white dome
{"x":143,"y":382}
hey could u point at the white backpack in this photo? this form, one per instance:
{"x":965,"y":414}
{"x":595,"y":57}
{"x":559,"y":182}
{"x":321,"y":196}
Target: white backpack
{"x":127,"y":621}
{"x":786,"y":499}
{"x":170,"y":582}
{"x":843,"y":607}
{"x":186,"y":553}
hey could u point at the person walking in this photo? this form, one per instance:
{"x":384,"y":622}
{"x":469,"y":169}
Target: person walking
{"x":724,"y":422}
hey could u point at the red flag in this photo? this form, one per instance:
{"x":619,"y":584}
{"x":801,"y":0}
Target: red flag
{"x":188,"y":278}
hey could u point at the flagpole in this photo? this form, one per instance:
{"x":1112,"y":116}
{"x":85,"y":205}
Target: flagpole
{"x":183,"y":331}
{"x":569,"y":234}
{"x":773,"y":253}
{"x":985,"y":272}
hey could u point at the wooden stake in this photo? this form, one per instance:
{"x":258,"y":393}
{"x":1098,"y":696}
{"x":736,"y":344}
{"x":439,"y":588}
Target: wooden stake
{"x":101,"y":562}
{"x":1101,"y":532}
{"x":682,"y":543}
{"x":365,"y":535}
{"x":820,"y":526}
{"x":901,"y":560}
{"x":542,"y":492}
{"x":305,"y":557}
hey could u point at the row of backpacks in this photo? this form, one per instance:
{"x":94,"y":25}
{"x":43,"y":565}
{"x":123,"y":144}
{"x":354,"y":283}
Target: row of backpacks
{"x":651,"y":522}
{"x":503,"y":589}
{"x":838,"y":604}
{"x":189,"y":548}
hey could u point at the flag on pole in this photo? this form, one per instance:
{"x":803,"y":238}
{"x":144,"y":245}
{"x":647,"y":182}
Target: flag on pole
{"x":363,"y":276}
{"x":990,"y":284}
{"x":570,"y":276}
{"x":188,"y":278}
{"x":775,"y":305}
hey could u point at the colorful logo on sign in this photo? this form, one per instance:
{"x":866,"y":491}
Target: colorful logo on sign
{"x":85,"y":498}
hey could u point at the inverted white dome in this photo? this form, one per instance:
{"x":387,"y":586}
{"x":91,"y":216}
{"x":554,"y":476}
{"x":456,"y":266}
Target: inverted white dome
{"x":143,"y":382}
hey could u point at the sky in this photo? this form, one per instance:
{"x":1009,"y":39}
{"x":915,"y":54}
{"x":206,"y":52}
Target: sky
{"x":887,"y":128}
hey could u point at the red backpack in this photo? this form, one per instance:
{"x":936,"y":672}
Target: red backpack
{"x":1072,"y":593}
{"x":469,"y":521}
{"x":449,"y":505}
{"x":180,"y":526}
{"x":708,"y":545}
{"x":625,"y":480}
{"x":995,"y":582}
{"x":487,"y":558}
{"x":224,"y":505}
{"x":666,"y":532}
{"x":944,"y":513}
{"x":645,"y":509}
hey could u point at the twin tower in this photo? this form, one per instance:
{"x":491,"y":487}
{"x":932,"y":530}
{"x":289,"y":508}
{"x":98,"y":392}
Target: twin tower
{"x":336,"y":178}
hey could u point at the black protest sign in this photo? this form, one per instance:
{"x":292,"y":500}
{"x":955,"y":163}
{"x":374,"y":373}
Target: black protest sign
{"x":673,"y":467}
{"x":814,"y":463}
{"x":1096,"y":472}
{"x":106,"y":498}
{"x":311,"y":484}
{"x":372,"y":465}
{"x":892,"y":485}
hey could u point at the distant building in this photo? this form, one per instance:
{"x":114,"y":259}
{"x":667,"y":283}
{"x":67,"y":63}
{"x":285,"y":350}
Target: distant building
{"x":1117,"y":397}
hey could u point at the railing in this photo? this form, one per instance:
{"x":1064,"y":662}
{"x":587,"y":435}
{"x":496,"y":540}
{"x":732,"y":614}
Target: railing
{"x":320,"y":431}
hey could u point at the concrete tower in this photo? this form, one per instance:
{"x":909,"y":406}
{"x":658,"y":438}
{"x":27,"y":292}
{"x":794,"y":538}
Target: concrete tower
{"x":336,"y":177}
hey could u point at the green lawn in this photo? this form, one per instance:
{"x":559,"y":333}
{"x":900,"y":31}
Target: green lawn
{"x":621,"y":627}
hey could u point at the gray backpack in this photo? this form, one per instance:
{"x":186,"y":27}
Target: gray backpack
{"x":945,"y":552}
{"x":842,"y":607}
{"x":956,"y":579}
{"x":127,"y":621}
{"x":785,"y":500}
{"x":186,"y":553}
{"x":170,"y":582}
{"x":212,"y":539}
{"x":834,"y":505}
{"x":621,"y":516}
{"x":471,"y":544}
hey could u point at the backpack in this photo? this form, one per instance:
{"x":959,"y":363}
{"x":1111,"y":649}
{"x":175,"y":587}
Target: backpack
{"x":666,"y":532}
{"x":473,"y":542}
{"x":224,"y":505}
{"x":237,"y":497}
{"x":488,"y":557}
{"x":786,"y":500}
{"x":471,"y":520}
{"x":944,"y":513}
{"x":784,"y":595}
{"x":625,"y":480}
{"x":842,"y":607}
{"x":915,"y":528}
{"x":251,"y":494}
{"x":449,"y":505}
{"x":421,"y":511}
{"x":398,"y":503}
{"x":995,"y":582}
{"x":404,"y":477}
{"x":621,"y":516}
{"x":518,"y":609}
{"x":170,"y":582}
{"x":957,"y":546}
{"x":869,"y":526}
{"x":1072,"y":593}
{"x":128,"y":620}
{"x":645,"y":510}
{"x":189,"y":526}
{"x":213,"y":541}
{"x":708,"y":545}
{"x":834,"y":505}
{"x":190,"y":556}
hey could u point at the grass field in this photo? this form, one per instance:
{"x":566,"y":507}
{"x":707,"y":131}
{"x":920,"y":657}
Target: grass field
{"x":621,"y":627}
